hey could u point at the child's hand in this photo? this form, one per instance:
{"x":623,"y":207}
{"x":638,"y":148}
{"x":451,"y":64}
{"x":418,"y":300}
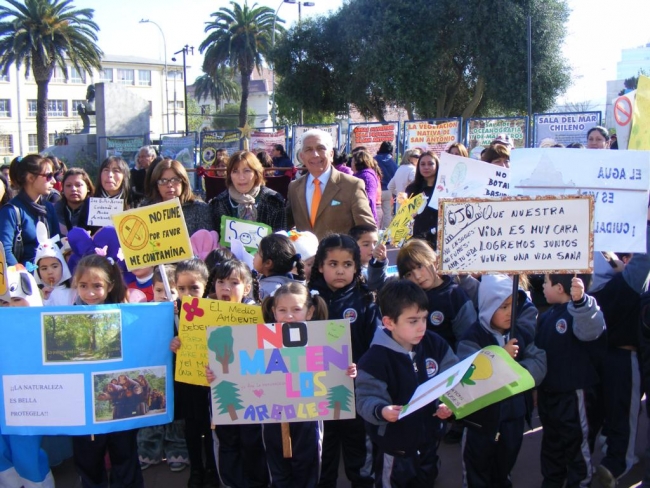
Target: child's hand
{"x":175,"y":345}
{"x":352,"y":371}
{"x":512,"y":348}
{"x":443,"y":412}
{"x":209,"y":374}
{"x":577,"y":289}
{"x":47,"y":290}
{"x":379,"y":252}
{"x":391,"y":413}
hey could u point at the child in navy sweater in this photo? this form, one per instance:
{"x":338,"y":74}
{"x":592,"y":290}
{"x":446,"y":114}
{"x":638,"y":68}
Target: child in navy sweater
{"x":403,"y":355}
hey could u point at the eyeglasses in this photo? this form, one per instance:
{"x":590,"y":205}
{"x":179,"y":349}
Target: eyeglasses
{"x":47,"y":176}
{"x":167,"y":181}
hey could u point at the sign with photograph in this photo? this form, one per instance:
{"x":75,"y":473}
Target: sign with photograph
{"x":211,"y":141}
{"x":86,"y":369}
{"x":126,"y":147}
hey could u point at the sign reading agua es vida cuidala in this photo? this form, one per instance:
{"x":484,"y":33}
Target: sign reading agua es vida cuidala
{"x":516,"y":234}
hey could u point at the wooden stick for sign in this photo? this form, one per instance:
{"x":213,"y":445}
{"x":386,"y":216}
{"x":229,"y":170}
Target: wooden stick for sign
{"x":92,"y":437}
{"x":513,"y":310}
{"x":168,"y":291}
{"x":286,"y":440}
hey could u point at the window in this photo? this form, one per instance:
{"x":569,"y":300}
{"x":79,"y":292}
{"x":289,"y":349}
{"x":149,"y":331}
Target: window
{"x":58,"y":76}
{"x":77,"y":76}
{"x":179,"y":104}
{"x":175,"y":74}
{"x":106,"y":75}
{"x":32,"y":143}
{"x":5,"y":108}
{"x":125,"y":76}
{"x":31,"y":108}
{"x":75,"y":104}
{"x":50,"y":139}
{"x":6,"y":144}
{"x":144,"y":78}
{"x":55,"y":108}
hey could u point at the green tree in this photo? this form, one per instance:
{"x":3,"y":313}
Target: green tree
{"x":196,"y":115}
{"x":221,"y":343}
{"x":240,"y":38}
{"x":226,"y":395}
{"x":339,"y":399}
{"x":218,"y":86}
{"x":42,"y":34}
{"x":228,"y":118}
{"x":631,"y":83}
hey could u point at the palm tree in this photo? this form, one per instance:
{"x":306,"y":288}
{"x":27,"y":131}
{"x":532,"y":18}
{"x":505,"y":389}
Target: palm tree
{"x":42,"y":34}
{"x":218,"y":86}
{"x":239,"y":37}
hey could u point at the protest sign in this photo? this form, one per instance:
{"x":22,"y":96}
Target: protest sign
{"x":3,"y":271}
{"x":460,"y":177}
{"x":180,"y":148}
{"x":431,"y":135}
{"x":372,"y":135}
{"x":481,"y":132}
{"x":623,"y":109}
{"x":126,"y":147}
{"x":211,"y":141}
{"x":100,"y":210}
{"x":516,"y":234}
{"x":618,"y":180}
{"x":248,"y":233}
{"x":565,"y":128}
{"x":401,"y":227}
{"x":271,"y":373}
{"x":86,"y":369}
{"x":152,"y":235}
{"x":299,"y":130}
{"x":640,"y":135}
{"x":265,"y":141}
{"x":197,"y":314}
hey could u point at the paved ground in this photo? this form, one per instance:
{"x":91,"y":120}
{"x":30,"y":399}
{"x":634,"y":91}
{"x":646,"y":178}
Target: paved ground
{"x":526,"y":473}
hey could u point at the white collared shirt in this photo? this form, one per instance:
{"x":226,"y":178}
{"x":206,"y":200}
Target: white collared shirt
{"x":309,"y":187}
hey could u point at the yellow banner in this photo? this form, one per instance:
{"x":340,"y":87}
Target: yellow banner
{"x":153,"y":235}
{"x":401,"y":227}
{"x":640,"y":135}
{"x":197,"y":314}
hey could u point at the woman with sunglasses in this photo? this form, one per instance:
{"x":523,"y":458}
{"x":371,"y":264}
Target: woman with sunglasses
{"x":33,"y":176}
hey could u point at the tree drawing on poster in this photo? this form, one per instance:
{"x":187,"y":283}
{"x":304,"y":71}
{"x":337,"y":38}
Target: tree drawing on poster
{"x":221,"y":343}
{"x":339,"y":399}
{"x":228,"y":398}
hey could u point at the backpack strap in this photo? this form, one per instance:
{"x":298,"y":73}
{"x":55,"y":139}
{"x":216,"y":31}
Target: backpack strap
{"x":18,"y":236}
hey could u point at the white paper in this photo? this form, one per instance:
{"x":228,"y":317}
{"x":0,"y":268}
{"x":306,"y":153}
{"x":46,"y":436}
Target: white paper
{"x":101,"y":209}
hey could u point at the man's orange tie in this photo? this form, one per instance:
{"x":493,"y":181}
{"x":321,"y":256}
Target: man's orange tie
{"x":315,"y":202}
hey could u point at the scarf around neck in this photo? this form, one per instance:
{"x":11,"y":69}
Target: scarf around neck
{"x":36,"y":208}
{"x":246,"y":208}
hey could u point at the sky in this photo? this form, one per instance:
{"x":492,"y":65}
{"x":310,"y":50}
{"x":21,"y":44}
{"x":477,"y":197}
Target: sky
{"x":597,"y":31}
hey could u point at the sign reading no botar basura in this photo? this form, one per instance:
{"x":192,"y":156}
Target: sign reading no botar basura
{"x":516,"y":234}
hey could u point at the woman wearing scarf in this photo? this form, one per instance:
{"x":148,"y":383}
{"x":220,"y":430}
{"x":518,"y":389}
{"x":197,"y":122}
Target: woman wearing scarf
{"x":246,"y":197}
{"x":72,"y":209}
{"x":169,"y":180}
{"x":34,"y":176}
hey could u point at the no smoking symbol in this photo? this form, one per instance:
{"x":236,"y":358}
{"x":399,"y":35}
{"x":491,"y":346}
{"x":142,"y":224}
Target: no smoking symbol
{"x":134,"y":232}
{"x":623,"y":111}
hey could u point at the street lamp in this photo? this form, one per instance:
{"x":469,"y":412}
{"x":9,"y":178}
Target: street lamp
{"x":147,"y":21}
{"x":186,"y":49}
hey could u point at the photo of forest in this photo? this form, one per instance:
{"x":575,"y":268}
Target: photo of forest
{"x":125,"y":394}
{"x":82,"y":337}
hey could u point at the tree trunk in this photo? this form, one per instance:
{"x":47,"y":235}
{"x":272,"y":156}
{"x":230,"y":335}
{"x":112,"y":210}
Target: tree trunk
{"x":232,"y":412}
{"x":337,"y":410}
{"x":243,"y":106}
{"x":476,"y":99}
{"x":41,"y":114}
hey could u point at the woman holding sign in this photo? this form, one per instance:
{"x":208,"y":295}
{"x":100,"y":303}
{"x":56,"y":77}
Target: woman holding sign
{"x":170,"y":181}
{"x":425,"y":223}
{"x":246,"y":197}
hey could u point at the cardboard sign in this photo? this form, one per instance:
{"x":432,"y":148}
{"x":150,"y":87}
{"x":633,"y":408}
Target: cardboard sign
{"x":197,"y":314}
{"x":460,"y":177}
{"x":401,"y":227}
{"x":291,"y":372}
{"x":623,"y":110}
{"x":3,"y":271}
{"x":516,"y":234}
{"x":618,"y":181}
{"x":153,"y":235}
{"x":100,"y":210}
{"x":248,"y":233}
{"x":86,"y":369}
{"x":640,"y":134}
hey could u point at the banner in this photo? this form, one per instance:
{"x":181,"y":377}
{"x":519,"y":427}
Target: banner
{"x":264,"y":141}
{"x":371,"y":136}
{"x":179,"y":148}
{"x":126,"y":147}
{"x":86,"y":369}
{"x":481,"y":132}
{"x":565,"y":128}
{"x":299,"y":130}
{"x":197,"y":314}
{"x":211,"y":141}
{"x":151,"y":235}
{"x":618,"y":180}
{"x":401,"y":227}
{"x":291,"y":372}
{"x":460,"y":177}
{"x":248,"y":233}
{"x":623,"y":107}
{"x":431,"y":135}
{"x":516,"y":234}
{"x":640,"y":135}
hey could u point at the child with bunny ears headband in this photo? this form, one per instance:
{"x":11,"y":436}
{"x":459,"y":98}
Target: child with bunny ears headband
{"x":51,"y":271}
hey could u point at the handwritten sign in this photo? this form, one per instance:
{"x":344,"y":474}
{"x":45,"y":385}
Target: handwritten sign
{"x":3,"y":271}
{"x":401,"y":227}
{"x":372,"y":135}
{"x":291,"y":372}
{"x":460,"y":177}
{"x":618,"y":181}
{"x":515,"y":234}
{"x":197,"y":314}
{"x":100,"y":210}
{"x":248,"y":233}
{"x":153,"y":235}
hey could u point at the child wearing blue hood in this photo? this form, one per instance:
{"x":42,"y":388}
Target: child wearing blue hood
{"x":491,"y":444}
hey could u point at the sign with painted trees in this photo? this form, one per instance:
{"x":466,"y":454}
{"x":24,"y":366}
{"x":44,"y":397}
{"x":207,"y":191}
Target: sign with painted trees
{"x":290,"y":372}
